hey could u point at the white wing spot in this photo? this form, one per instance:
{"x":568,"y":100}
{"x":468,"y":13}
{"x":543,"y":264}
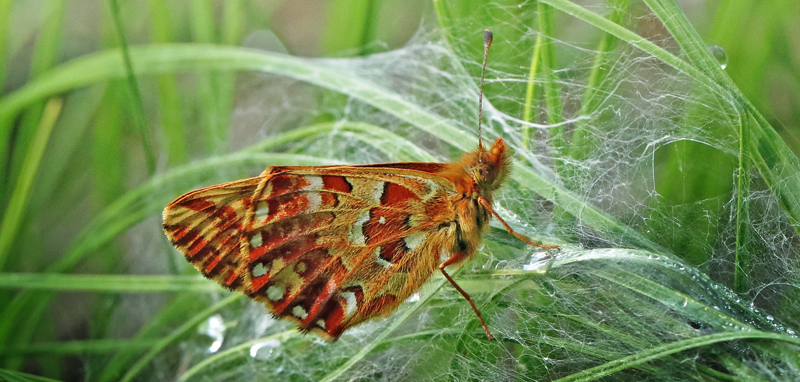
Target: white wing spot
{"x":356,"y":233}
{"x":299,"y":312}
{"x":255,"y":240}
{"x":415,"y":239}
{"x":377,"y":192}
{"x":314,"y":183}
{"x":275,"y":292}
{"x":350,"y":304}
{"x":321,"y":324}
{"x":260,"y":270}
{"x":380,"y":260}
{"x":382,"y":220}
{"x":300,"y":267}
{"x":314,"y":200}
{"x":262,"y":212}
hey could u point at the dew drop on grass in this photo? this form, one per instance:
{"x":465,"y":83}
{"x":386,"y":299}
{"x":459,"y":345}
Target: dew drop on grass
{"x":540,"y":262}
{"x":720,"y":55}
{"x":266,"y":350}
{"x":213,"y":327}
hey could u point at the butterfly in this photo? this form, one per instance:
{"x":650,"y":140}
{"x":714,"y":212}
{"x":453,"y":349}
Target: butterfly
{"x":330,"y":247}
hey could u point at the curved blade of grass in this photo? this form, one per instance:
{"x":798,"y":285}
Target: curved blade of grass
{"x":689,"y":40}
{"x":771,"y":156}
{"x":395,"y":147}
{"x":101,"y":347}
{"x":133,"y":86}
{"x":531,"y":86}
{"x":596,"y":84}
{"x":232,"y":353}
{"x":552,"y":86}
{"x":735,"y":316}
{"x":603,"y":370}
{"x":741,"y":280}
{"x":46,"y":52}
{"x":5,"y":13}
{"x":14,"y":213}
{"x":176,"y":335}
{"x":173,"y":314}
{"x":16,"y":376}
{"x":105,"y":283}
{"x":156,"y":59}
{"x":636,"y":41}
{"x":170,"y":114}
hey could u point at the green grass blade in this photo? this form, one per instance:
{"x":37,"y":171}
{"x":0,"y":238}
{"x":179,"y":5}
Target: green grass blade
{"x":133,"y":86}
{"x":636,"y":41}
{"x":100,"y":347}
{"x":741,"y":282}
{"x":105,"y":283}
{"x":346,"y":27}
{"x":552,"y":85}
{"x":15,"y":212}
{"x":169,"y":106}
{"x":15,"y":376}
{"x":45,"y":55}
{"x":596,"y":84}
{"x":609,"y":368}
{"x":176,"y":335}
{"x":232,"y":353}
{"x":5,"y":15}
{"x":175,"y":313}
{"x":531,"y":86}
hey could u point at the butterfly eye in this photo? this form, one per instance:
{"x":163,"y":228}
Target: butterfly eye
{"x":483,"y":172}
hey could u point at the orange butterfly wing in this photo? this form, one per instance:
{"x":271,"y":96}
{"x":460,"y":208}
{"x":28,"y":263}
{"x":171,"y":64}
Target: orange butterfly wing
{"x":326,"y":247}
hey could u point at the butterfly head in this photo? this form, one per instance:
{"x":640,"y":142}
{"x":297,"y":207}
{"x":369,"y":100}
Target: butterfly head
{"x":489,"y":168}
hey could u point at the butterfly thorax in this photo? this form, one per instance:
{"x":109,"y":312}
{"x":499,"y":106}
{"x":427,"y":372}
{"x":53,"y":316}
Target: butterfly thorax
{"x":478,"y":174}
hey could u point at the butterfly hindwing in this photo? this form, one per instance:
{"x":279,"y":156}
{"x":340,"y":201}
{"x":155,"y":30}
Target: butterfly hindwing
{"x":205,"y":226}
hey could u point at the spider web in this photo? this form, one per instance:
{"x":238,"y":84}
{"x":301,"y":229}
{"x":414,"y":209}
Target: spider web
{"x":665,"y":280}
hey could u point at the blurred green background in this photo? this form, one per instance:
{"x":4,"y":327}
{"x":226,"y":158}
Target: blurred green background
{"x":69,"y":160}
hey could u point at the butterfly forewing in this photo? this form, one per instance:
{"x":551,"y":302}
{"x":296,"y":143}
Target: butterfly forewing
{"x":326,"y":247}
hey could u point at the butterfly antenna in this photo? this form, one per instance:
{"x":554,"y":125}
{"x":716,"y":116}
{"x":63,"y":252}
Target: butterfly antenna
{"x":487,"y":42}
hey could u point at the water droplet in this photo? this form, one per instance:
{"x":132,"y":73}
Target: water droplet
{"x":213,"y":327}
{"x":540,"y":263}
{"x":720,"y":55}
{"x":266,"y":350}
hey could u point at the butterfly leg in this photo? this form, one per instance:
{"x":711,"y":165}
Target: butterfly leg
{"x":485,"y":203}
{"x":453,"y":260}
